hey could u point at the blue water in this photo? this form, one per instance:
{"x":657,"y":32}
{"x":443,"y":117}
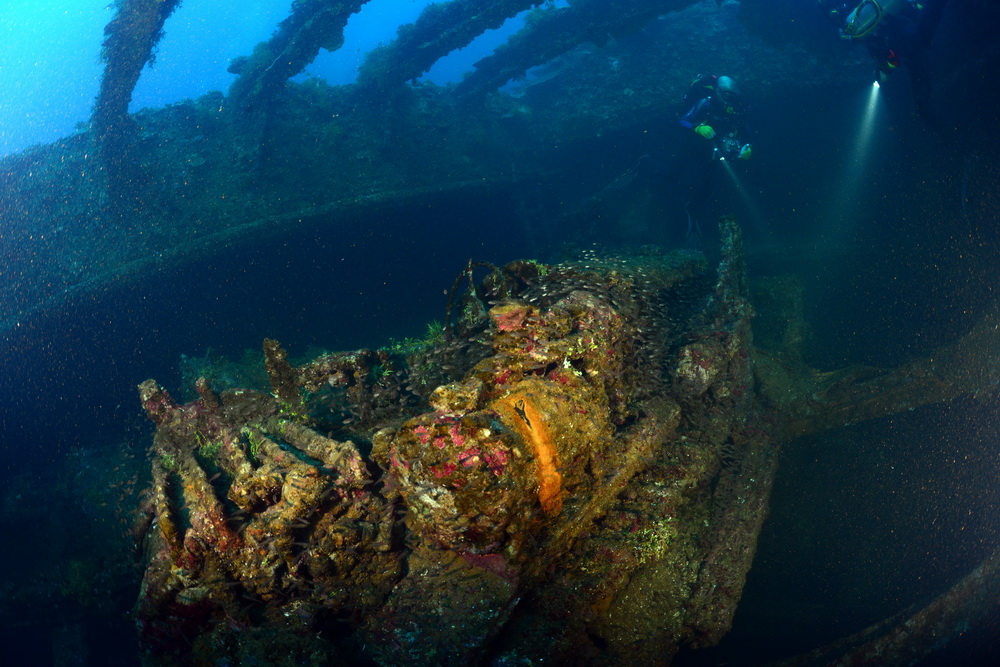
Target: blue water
{"x":50,"y":66}
{"x":896,"y":250}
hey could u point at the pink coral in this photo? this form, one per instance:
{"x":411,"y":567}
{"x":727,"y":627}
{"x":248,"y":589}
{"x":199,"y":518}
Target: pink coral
{"x":496,"y":460}
{"x":469,"y":457}
{"x":510,"y":320}
{"x":444,"y":469}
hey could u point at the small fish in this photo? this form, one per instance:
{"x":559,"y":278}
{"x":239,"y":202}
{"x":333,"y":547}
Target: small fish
{"x":519,"y":409}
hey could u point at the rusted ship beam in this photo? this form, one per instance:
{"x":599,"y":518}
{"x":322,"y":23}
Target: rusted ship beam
{"x":908,"y":637}
{"x":129,"y":45}
{"x":440,"y":29}
{"x":811,"y":401}
{"x":554,"y":32}
{"x":312,"y":25}
{"x":130,"y":38}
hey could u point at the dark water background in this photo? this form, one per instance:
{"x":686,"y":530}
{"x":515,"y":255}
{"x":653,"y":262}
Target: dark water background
{"x":864,"y":521}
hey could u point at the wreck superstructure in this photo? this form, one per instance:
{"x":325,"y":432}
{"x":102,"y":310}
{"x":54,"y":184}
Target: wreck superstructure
{"x":131,"y":193}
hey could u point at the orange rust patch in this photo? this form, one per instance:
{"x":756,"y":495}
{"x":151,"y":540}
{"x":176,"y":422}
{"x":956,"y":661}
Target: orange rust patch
{"x":521,"y":413}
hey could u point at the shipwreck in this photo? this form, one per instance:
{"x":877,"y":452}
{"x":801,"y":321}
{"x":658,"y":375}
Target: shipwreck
{"x":576,"y":469}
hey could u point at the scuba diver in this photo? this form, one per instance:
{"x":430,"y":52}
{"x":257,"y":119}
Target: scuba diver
{"x":677,"y":178}
{"x":713,"y":129}
{"x":897,"y":33}
{"x":717,"y":116}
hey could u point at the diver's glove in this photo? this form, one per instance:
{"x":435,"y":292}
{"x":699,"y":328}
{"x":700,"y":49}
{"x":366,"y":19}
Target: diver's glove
{"x":745,"y":152}
{"x":705,"y":131}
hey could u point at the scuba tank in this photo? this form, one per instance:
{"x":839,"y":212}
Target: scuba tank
{"x":702,"y":86}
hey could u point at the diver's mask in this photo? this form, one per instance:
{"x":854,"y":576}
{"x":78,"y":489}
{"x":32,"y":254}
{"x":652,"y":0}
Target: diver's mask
{"x":863,"y":20}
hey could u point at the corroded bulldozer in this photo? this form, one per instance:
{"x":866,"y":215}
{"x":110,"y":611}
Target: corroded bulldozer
{"x":577,"y":472}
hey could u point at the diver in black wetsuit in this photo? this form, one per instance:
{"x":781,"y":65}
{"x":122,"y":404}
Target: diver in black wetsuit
{"x":712,"y":129}
{"x":897,"y":33}
{"x":717,"y":117}
{"x":676,"y":180}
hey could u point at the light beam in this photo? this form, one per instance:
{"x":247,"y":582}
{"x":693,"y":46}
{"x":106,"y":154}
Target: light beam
{"x":748,"y":202}
{"x":844,"y":212}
